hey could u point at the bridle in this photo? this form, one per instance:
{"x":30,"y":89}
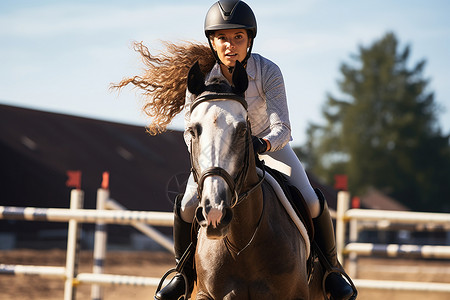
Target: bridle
{"x":233,"y":183}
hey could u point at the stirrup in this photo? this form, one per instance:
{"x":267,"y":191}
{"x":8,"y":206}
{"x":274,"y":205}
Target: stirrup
{"x":328,"y":272}
{"x":179,"y":270}
{"x":186,"y":282}
{"x":329,"y":269}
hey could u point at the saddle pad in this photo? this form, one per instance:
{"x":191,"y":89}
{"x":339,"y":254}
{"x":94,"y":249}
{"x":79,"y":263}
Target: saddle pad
{"x":289,"y":209}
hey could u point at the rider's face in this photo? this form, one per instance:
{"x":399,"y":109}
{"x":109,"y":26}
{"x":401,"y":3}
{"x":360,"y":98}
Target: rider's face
{"x":231,"y":45}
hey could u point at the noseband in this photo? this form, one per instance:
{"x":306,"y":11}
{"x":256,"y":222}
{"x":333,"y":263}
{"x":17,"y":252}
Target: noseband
{"x":218,"y":171}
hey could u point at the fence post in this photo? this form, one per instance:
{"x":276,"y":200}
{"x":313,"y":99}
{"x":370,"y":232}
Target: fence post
{"x":353,"y":257}
{"x":343,"y":201}
{"x":100,"y":241}
{"x":73,"y":246}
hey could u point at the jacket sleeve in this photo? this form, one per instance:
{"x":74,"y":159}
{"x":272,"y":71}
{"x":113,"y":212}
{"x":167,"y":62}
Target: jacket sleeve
{"x":277,"y":109}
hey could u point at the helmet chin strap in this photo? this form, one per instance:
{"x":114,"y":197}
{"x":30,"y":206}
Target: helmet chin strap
{"x":231,"y":69}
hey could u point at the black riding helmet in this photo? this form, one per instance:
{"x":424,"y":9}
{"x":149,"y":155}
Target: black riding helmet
{"x":230,"y":14}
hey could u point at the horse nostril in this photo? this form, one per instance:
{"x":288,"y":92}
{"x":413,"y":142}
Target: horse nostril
{"x":213,"y":214}
{"x":200,"y":216}
{"x":227,"y":216}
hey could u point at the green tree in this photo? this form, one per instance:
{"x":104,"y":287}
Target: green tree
{"x":383,"y":132}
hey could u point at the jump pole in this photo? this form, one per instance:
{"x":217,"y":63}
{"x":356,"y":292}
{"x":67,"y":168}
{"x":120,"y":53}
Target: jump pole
{"x":85,"y":215}
{"x":73,"y":247}
{"x":42,"y":271}
{"x":100,"y":240}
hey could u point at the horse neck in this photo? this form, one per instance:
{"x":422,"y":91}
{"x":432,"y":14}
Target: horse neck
{"x":248,"y":212}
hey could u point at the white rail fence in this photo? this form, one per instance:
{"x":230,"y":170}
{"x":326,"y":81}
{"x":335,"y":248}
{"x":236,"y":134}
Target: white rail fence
{"x":383,"y":220}
{"x":357,"y":218}
{"x":75,"y":216}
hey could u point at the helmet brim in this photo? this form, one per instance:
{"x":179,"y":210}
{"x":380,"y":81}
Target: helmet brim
{"x":211,"y":29}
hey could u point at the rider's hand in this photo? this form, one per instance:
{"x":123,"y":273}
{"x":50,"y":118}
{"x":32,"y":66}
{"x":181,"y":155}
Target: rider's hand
{"x":260,"y":145}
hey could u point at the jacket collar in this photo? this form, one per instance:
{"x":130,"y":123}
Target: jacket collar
{"x":251,"y":67}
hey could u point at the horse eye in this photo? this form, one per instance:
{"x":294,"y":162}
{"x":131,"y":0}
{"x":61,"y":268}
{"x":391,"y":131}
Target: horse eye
{"x":195,"y":130}
{"x":242,"y":131}
{"x":191,"y":132}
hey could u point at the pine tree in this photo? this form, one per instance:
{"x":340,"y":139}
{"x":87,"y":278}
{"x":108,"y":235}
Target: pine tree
{"x":383,"y":131}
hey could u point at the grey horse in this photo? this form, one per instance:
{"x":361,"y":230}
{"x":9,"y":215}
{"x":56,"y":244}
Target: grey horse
{"x":248,"y":247}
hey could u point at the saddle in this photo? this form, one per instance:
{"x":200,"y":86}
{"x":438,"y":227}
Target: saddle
{"x":294,"y":197}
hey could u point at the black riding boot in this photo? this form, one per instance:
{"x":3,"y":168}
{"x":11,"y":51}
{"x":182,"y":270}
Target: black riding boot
{"x":175,"y":289}
{"x":335,"y":284}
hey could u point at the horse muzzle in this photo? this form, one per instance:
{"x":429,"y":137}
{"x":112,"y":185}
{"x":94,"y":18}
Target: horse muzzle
{"x":214,"y":229}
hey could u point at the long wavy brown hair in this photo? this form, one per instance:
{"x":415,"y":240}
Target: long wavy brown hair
{"x":163,"y":84}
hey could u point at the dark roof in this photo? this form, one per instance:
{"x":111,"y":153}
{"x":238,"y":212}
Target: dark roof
{"x":37,"y":148}
{"x":375,"y":199}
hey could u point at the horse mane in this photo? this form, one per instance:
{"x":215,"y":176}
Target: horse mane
{"x":164,"y":81}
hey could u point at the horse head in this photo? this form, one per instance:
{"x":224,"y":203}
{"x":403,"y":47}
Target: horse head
{"x":220,"y":141}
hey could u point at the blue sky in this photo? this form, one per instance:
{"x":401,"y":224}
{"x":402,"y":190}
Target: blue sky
{"x":61,"y":56}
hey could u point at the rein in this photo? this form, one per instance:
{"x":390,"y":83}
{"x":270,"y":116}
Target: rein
{"x":233,"y":248}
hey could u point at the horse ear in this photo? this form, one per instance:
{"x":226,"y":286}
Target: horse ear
{"x":196,"y":80}
{"x":239,"y":79}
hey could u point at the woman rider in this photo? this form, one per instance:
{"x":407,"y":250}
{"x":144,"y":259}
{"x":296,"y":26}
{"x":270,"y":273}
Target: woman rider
{"x":230,"y":27}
